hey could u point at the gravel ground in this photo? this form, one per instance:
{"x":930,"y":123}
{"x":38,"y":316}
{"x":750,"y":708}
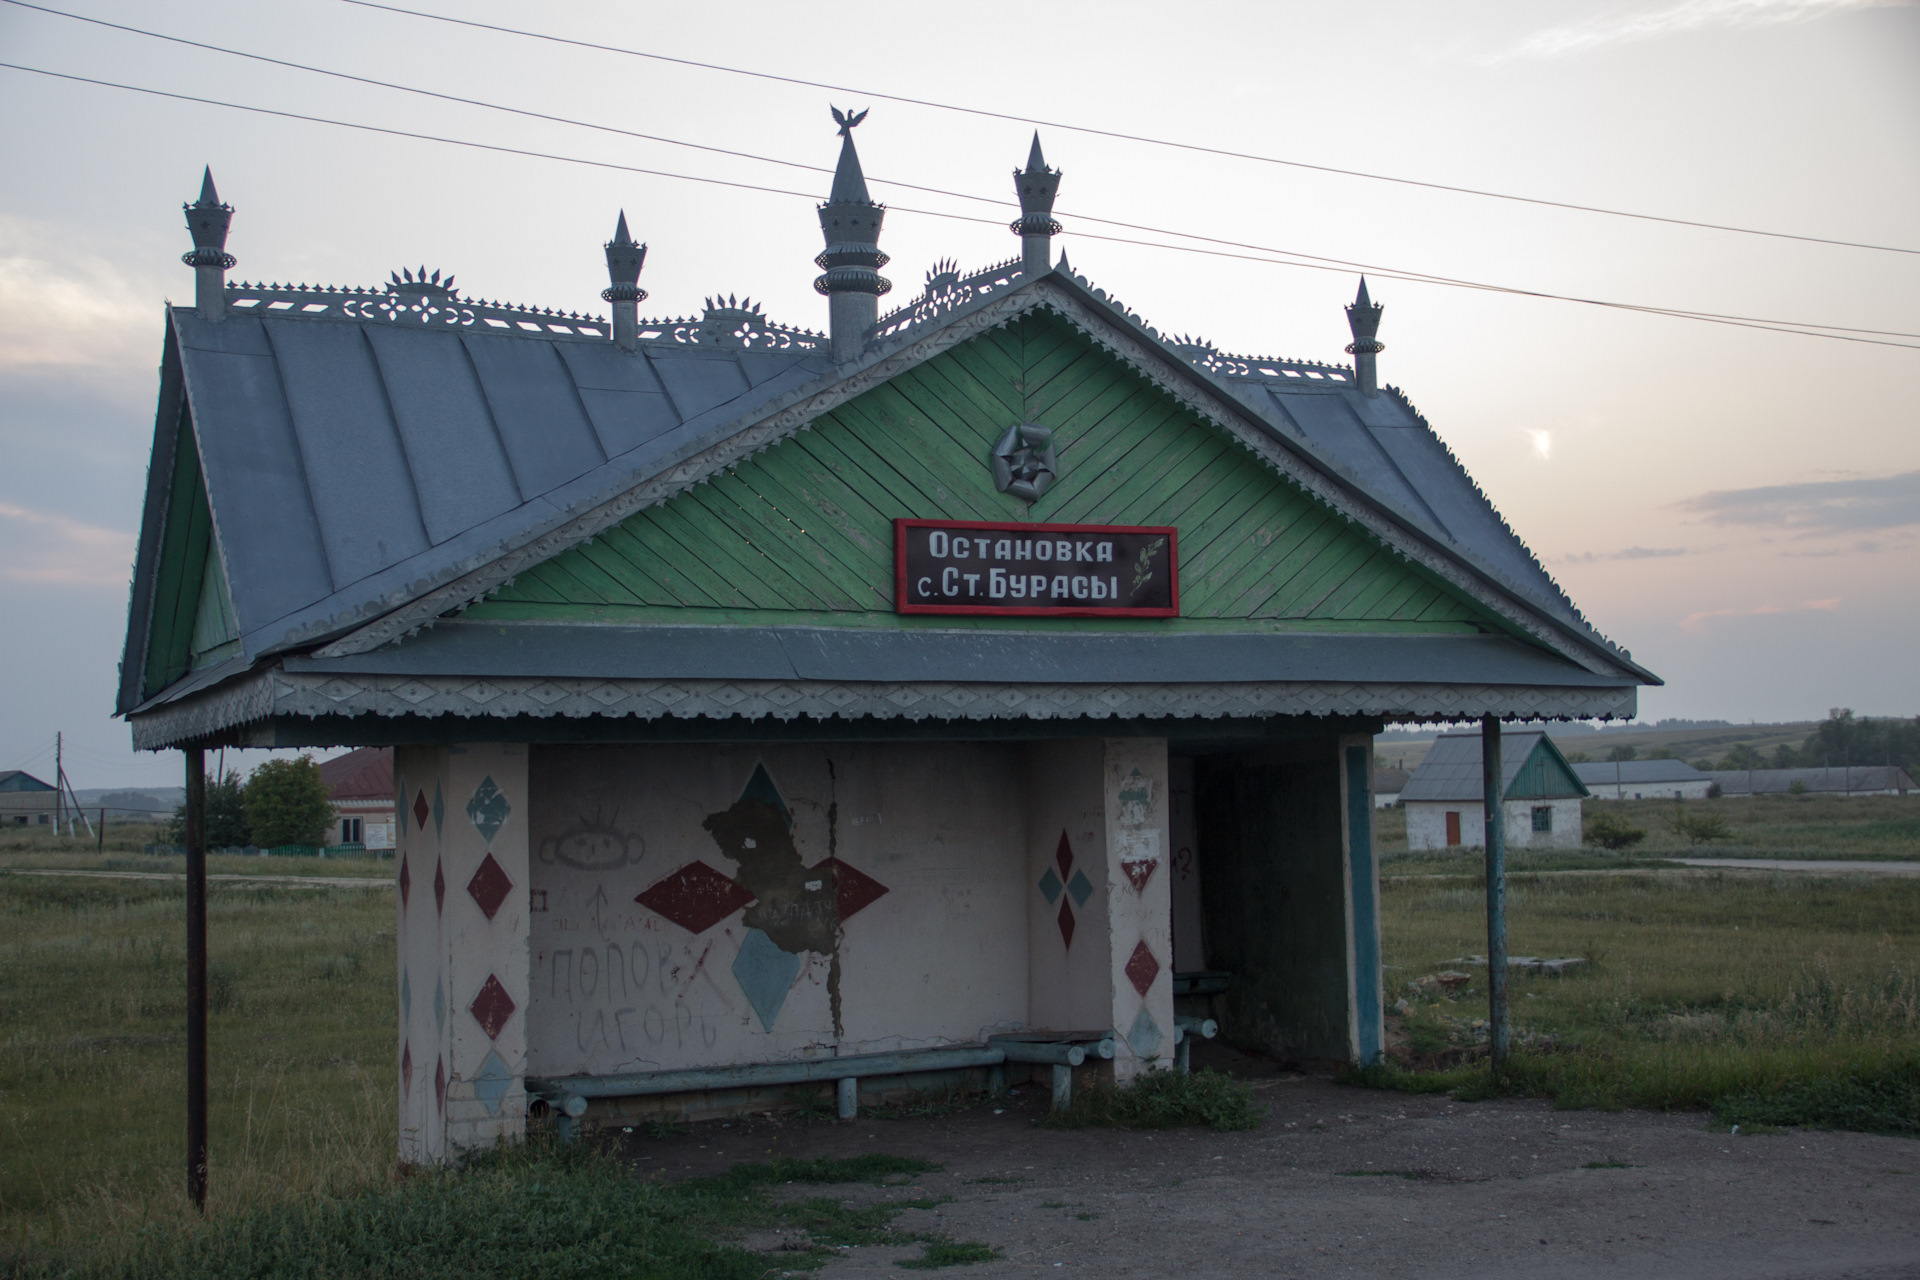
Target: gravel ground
{"x":1353,"y":1182}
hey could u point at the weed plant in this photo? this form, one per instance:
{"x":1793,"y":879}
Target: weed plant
{"x":1759,"y":996}
{"x":1164,"y":1100}
{"x":537,"y":1208}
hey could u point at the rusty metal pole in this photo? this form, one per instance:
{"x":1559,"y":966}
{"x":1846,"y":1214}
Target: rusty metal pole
{"x":1496,"y":891}
{"x":196,"y":839}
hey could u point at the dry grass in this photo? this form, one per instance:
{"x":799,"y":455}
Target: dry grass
{"x":92,"y":1071}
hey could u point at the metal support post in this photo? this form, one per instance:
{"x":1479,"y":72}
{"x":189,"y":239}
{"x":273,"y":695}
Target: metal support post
{"x":196,"y":838}
{"x":1496,"y":834}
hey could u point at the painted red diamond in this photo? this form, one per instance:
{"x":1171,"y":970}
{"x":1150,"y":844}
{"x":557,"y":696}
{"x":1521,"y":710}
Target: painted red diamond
{"x":1063,"y":857}
{"x":406,"y":1069}
{"x":406,"y":881}
{"x":440,"y":1083}
{"x":439,"y":886}
{"x":1142,"y":968}
{"x":1065,"y":921}
{"x":490,"y":885}
{"x":696,"y":897}
{"x":492,"y":1007}
{"x":421,"y":810}
{"x":1139,"y":871}
{"x":853,"y":889}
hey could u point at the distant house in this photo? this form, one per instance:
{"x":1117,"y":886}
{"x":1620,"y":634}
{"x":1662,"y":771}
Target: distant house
{"x":1445,"y":804}
{"x":1860,"y":780}
{"x":1643,"y":780}
{"x":360,"y":784}
{"x":1387,"y":786}
{"x":25,"y":800}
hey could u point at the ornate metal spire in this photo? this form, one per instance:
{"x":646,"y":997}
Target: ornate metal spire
{"x":1036,"y":186}
{"x":850,"y":222}
{"x":207,"y":222}
{"x":624,"y":260}
{"x":1363,"y":317}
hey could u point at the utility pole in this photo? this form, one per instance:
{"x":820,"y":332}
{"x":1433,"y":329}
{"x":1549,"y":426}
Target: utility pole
{"x":59,"y":785}
{"x":1496,"y":836}
{"x":196,"y":834}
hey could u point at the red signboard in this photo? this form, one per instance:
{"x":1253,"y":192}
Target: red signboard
{"x":1035,"y":570}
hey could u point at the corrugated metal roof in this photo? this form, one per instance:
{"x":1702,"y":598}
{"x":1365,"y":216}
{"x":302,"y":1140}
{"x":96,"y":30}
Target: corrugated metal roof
{"x":363,"y":774}
{"x":1451,"y":769}
{"x":1629,"y":773}
{"x":348,"y":463}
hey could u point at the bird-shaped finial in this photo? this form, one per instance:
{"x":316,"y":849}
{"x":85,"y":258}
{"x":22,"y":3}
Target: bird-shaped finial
{"x":846,"y":120}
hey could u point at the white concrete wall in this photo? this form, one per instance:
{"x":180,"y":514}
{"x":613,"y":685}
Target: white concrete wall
{"x":940,"y":957}
{"x":1069,"y":987}
{"x":463,"y":989}
{"x":1427,"y":824}
{"x":1650,"y":790}
{"x":1140,"y":908}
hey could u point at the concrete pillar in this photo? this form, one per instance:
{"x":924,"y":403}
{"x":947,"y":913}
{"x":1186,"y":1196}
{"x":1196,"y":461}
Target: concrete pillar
{"x":461,"y":931}
{"x":1100,"y":919}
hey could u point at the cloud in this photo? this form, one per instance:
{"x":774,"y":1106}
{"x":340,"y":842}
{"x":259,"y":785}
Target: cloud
{"x":1697,"y":622}
{"x":1628,"y":553}
{"x":41,"y":546}
{"x":62,"y":306}
{"x":1858,"y":504}
{"x":1574,"y":38}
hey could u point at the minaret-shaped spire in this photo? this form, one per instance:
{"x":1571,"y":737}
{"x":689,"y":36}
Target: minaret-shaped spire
{"x":1363,"y":317}
{"x":850,"y":222}
{"x":1036,"y":186}
{"x":207,"y":221}
{"x":624,"y":260}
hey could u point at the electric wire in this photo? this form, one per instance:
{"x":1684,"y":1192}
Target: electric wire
{"x":1322,"y":265}
{"x":1378,"y":269}
{"x":1128,"y":137}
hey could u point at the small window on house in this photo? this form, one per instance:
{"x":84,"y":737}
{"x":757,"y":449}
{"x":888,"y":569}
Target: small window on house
{"x":1543,"y":817}
{"x":353,"y":831}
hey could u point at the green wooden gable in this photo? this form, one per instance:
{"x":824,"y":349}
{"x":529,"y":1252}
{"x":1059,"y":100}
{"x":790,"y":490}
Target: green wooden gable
{"x":802,"y":534}
{"x":193,"y":620}
{"x":1545,"y":775}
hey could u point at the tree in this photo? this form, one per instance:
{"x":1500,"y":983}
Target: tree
{"x":286,"y":803}
{"x":1611,"y":831}
{"x":1622,"y":754}
{"x":1703,"y":764}
{"x":1578,"y":757}
{"x":226,"y":817}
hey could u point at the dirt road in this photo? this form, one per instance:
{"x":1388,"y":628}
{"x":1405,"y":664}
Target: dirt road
{"x":1351,"y":1182}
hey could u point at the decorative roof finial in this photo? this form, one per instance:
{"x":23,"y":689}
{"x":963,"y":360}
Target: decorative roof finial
{"x":1363,"y":317}
{"x":1036,"y":186}
{"x":624,"y":260}
{"x":207,"y":222}
{"x":850,"y":222}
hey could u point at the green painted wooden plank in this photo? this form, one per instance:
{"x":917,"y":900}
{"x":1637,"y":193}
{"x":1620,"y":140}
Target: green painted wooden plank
{"x":617,"y":555}
{"x":1070,"y":384}
{"x":960,"y":434}
{"x":1338,"y":587}
{"x":177,"y":571}
{"x":1046,"y":368}
{"x":1241,"y":566}
{"x":813,"y":572}
{"x":961,"y":488}
{"x":626,"y":540}
{"x":887,"y":488}
{"x":1418,"y":603}
{"x":1292,"y":595}
{"x":675,"y":545}
{"x":593,"y":582}
{"x":852,"y":540}
{"x":1155,"y":466}
{"x":1389,"y":604}
{"x":1388,"y":585}
{"x":1092,"y":471}
{"x":697,"y":518}
{"x":977,"y":381}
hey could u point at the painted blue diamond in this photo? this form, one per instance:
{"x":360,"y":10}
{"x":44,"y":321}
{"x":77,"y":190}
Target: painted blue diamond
{"x":1050,"y":887}
{"x":491,"y":1082}
{"x":1145,"y":1036}
{"x":1081,"y":888}
{"x":765,"y":973}
{"x":488,"y":809}
{"x":439,"y":809}
{"x":406,"y":997}
{"x":439,"y":1006}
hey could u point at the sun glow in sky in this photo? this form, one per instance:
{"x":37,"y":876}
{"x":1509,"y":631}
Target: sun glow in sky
{"x":1738,"y":507}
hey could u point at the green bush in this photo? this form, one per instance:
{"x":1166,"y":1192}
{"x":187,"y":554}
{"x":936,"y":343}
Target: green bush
{"x":1164,"y":1100}
{"x":287,"y":803}
{"x":1611,"y":831}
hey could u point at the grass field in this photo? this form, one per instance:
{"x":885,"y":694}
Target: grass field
{"x":1701,"y":988}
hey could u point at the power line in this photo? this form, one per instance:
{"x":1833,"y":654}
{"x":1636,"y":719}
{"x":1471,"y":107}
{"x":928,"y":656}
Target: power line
{"x":1130,"y":137}
{"x":1320,"y":265}
{"x":1377,"y":268}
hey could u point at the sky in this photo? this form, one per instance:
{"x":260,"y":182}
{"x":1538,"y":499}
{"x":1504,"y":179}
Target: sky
{"x":1738,"y":507}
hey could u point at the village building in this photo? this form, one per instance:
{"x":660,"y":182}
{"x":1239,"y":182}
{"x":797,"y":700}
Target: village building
{"x":1387,"y":786}
{"x":1539,"y":791}
{"x":1857,"y":780}
{"x":26,"y":801}
{"x":360,"y":785}
{"x":1643,"y":780}
{"x":983,"y":688}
